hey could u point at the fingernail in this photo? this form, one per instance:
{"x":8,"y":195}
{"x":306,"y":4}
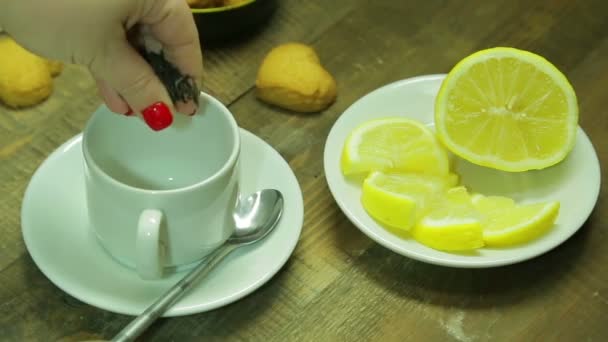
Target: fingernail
{"x":129,"y":112}
{"x":188,"y":108}
{"x":158,"y":116}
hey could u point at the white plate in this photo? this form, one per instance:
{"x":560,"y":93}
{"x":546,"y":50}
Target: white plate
{"x":55,"y":229}
{"x":575,"y":182}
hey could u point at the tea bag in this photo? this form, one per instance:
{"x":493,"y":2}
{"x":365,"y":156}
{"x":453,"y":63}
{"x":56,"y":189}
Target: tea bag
{"x":181,"y":88}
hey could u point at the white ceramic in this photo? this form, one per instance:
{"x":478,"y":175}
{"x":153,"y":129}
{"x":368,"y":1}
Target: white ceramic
{"x":575,"y":182}
{"x":160,"y":200}
{"x":57,"y":236}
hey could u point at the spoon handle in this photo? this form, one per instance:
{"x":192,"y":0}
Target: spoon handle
{"x":143,"y":321}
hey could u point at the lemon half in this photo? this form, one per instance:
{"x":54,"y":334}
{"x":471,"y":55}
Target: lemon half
{"x":507,"y":109}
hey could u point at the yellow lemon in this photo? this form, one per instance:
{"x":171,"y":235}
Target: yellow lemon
{"x":506,"y":223}
{"x":507,"y":109}
{"x":399,"y":200}
{"x":393,"y":144}
{"x":452,"y":224}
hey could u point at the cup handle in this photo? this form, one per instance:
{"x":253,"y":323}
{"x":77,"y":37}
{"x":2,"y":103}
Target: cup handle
{"x":148,"y":246}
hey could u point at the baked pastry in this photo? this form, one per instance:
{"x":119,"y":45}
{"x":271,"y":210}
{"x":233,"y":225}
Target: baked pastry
{"x":291,"y":76}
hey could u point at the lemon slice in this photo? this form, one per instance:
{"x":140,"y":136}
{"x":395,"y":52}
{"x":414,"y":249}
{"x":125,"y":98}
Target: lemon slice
{"x":506,"y":223}
{"x":452,"y":224}
{"x":507,"y":109}
{"x":393,"y":144}
{"x":399,"y":200}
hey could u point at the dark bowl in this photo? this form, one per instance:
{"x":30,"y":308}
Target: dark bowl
{"x":222,"y":24}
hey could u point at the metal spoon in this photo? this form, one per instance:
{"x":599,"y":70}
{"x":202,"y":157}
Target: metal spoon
{"x":254,"y":218}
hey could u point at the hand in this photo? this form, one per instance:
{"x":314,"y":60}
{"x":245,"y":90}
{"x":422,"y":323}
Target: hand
{"x":94,"y":33}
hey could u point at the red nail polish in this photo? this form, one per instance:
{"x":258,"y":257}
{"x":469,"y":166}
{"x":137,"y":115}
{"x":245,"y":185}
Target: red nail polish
{"x":129,"y":112}
{"x":158,"y":116}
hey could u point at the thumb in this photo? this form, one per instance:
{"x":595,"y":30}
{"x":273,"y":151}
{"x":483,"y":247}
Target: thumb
{"x":125,"y":70}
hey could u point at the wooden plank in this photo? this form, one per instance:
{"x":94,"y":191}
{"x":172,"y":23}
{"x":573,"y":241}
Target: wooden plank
{"x":27,"y":136}
{"x":230,"y":69}
{"x":454,"y":311}
{"x":339,"y":285}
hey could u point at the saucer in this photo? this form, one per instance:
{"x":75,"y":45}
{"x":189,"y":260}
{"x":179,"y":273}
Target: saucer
{"x":55,"y":230}
{"x":575,"y":182}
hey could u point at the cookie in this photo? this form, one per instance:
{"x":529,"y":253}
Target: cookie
{"x":291,"y":77}
{"x":25,"y":79}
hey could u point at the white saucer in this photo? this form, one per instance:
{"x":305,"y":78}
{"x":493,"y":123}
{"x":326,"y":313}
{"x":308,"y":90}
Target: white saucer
{"x":575,"y":182}
{"x":55,"y":229}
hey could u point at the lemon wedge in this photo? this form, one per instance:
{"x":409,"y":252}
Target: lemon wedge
{"x":507,"y":109}
{"x":393,"y":144}
{"x":452,"y":224}
{"x":399,"y":200}
{"x":506,"y":223}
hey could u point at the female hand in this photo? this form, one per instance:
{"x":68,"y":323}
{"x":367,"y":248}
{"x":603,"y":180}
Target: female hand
{"x":94,"y":33}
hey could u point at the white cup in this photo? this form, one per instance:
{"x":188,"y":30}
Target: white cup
{"x":162,"y":200}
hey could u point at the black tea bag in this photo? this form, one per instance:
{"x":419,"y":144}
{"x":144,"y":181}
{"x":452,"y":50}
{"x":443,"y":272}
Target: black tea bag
{"x":180,"y":87}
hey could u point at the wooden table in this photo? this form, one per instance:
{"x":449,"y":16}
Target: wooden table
{"x":339,"y":285}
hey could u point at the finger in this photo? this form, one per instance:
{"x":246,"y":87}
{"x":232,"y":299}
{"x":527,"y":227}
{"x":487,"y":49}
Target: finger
{"x":114,"y":102}
{"x":172,"y":25}
{"x":126,"y":72}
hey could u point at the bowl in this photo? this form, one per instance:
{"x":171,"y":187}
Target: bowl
{"x":220,"y":24}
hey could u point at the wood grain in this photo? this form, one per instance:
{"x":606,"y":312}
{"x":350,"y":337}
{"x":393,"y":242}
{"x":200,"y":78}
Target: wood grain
{"x":339,"y":285}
